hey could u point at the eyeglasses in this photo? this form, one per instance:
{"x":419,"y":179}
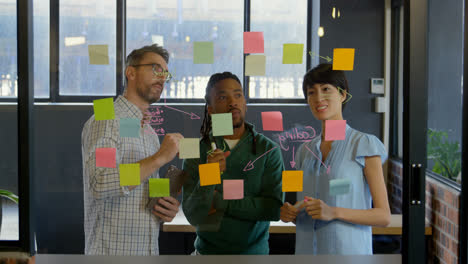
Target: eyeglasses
{"x":158,"y":71}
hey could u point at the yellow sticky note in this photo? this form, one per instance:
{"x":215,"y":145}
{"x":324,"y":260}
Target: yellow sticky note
{"x":98,"y":54}
{"x":129,"y":174}
{"x":189,"y":148}
{"x":343,"y":59}
{"x":292,"y":181}
{"x":255,"y":65}
{"x":104,"y":109}
{"x":209,"y":174}
{"x":293,"y":53}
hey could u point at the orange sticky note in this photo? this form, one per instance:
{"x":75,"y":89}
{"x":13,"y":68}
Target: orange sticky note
{"x":343,"y":59}
{"x":105,"y":157}
{"x":209,"y":174}
{"x":335,"y":130}
{"x":272,"y":121}
{"x":233,"y":189}
{"x":292,"y":181}
{"x":253,"y":42}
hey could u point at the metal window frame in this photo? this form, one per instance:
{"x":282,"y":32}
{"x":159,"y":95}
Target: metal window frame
{"x":25,"y":46}
{"x":414,"y":125}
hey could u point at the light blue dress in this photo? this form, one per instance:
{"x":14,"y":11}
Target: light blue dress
{"x":346,"y":161}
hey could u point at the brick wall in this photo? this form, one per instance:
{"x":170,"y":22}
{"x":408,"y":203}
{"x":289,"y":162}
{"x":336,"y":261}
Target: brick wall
{"x":442,"y":203}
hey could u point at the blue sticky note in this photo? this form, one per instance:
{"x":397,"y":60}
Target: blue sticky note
{"x":129,"y":127}
{"x":339,"y":186}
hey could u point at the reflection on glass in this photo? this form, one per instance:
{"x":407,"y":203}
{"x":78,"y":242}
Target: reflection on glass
{"x":280,"y":24}
{"x":177,"y":25}
{"x":82,"y":24}
{"x":8,"y":54}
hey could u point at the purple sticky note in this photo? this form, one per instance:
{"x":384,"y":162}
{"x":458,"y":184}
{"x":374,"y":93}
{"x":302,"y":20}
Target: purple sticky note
{"x":233,"y":189}
{"x":335,"y":130}
{"x":272,"y":121}
{"x":105,"y":157}
{"x":253,"y":42}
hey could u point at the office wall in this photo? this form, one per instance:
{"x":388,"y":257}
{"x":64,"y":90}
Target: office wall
{"x":57,"y":128}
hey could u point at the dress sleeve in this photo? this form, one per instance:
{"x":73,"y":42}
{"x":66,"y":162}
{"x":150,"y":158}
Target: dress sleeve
{"x":369,"y":145}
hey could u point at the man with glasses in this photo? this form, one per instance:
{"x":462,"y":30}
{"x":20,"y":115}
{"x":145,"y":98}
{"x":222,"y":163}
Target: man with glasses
{"x":116,"y":220}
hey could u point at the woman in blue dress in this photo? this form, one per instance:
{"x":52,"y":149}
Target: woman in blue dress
{"x":344,"y":192}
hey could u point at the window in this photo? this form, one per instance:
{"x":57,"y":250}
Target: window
{"x":8,"y":54}
{"x":445,"y":89}
{"x":281,"y":80}
{"x":177,"y":25}
{"x":84,"y":23}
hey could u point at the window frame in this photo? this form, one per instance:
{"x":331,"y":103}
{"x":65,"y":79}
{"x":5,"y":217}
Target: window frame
{"x":121,"y":20}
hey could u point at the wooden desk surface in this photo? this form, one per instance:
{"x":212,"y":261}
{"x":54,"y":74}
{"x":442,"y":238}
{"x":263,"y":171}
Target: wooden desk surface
{"x":180,"y":224}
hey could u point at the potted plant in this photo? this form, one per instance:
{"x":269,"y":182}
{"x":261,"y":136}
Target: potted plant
{"x":445,"y":154}
{"x":8,"y":195}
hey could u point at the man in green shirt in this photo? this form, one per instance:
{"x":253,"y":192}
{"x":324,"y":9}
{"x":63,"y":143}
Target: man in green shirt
{"x":233,"y":226}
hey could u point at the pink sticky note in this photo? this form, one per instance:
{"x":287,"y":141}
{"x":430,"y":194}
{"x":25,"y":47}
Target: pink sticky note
{"x":335,"y":130}
{"x":253,"y":42}
{"x":105,"y":157}
{"x":233,"y":189}
{"x":272,"y":121}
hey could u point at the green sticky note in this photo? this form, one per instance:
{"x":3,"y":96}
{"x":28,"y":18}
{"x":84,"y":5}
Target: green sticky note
{"x":159,"y":188}
{"x":255,"y":65}
{"x":104,"y":109}
{"x":292,"y":53}
{"x":203,"y":52}
{"x":98,"y":54}
{"x":189,"y":148}
{"x":129,"y":127}
{"x":222,"y":124}
{"x":129,"y":174}
{"x":339,"y":186}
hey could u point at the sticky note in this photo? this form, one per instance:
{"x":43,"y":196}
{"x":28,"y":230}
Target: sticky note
{"x":292,"y":53}
{"x":105,"y":157}
{"x":222,"y":124}
{"x":129,"y":127}
{"x":253,"y":42}
{"x":203,"y":52}
{"x":292,"y":181}
{"x":209,"y":174}
{"x":189,"y":148}
{"x":343,"y":59}
{"x":129,"y":174}
{"x":104,"y":109}
{"x":272,"y":121}
{"x":158,"y":187}
{"x":335,"y":130}
{"x":339,"y":186}
{"x":255,"y":65}
{"x":98,"y":54}
{"x":233,"y":189}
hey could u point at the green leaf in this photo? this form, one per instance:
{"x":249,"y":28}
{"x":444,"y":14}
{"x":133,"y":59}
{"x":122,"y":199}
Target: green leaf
{"x":9,"y":195}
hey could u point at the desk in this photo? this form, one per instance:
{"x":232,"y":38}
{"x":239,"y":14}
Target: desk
{"x":180,"y":224}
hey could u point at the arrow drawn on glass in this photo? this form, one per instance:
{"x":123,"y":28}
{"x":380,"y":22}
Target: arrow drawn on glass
{"x":192,"y":115}
{"x":293,"y":163}
{"x":328,"y":59}
{"x":328,"y":169}
{"x":250,"y":165}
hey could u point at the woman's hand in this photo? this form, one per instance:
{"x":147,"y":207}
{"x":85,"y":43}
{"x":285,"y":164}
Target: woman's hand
{"x":318,"y":209}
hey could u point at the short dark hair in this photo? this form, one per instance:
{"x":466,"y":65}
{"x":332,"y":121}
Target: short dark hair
{"x":214,"y":79}
{"x":137,"y":55}
{"x":324,"y":74}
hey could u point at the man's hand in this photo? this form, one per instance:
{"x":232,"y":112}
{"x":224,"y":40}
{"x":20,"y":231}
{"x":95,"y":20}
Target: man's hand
{"x":318,"y":209}
{"x":170,"y":146}
{"x":218,"y":156}
{"x":288,"y":213}
{"x":166,"y":208}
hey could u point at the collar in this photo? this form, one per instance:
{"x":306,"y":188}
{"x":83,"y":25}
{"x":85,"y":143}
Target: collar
{"x":128,"y":108}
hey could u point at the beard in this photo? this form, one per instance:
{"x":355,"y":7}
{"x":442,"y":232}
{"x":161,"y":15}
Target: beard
{"x":238,"y":124}
{"x":146,"y":94}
